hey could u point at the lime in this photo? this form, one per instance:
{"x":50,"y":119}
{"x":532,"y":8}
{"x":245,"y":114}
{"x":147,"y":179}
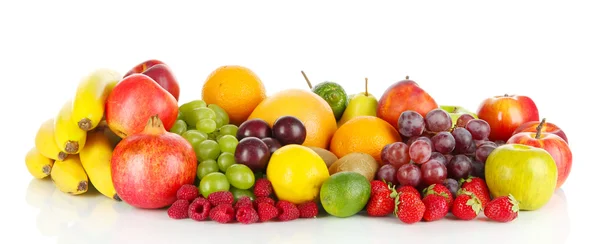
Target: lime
{"x":334,"y":95}
{"x":345,"y":194}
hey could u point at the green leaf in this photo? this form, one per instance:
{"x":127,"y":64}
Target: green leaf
{"x":514,"y":202}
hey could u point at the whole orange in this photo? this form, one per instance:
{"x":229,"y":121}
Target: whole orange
{"x":365,"y":134}
{"x":236,"y":89}
{"x":308,"y":107}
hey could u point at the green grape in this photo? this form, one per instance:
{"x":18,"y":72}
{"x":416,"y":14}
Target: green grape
{"x":179,"y":127}
{"x":239,"y":193}
{"x":208,"y":149}
{"x":225,"y":160}
{"x":192,"y":117}
{"x":191,"y":105}
{"x":206,"y":167}
{"x":219,"y":122}
{"x":228,"y":130}
{"x":213,"y":182}
{"x":179,"y":115}
{"x":194,"y":137}
{"x":228,"y":143}
{"x":220,"y":113}
{"x":213,"y":136}
{"x":240,"y":176}
{"x":206,"y":125}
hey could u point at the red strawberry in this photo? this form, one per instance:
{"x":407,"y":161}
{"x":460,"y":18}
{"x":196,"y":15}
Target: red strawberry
{"x":436,"y":207}
{"x":477,"y":186}
{"x":502,"y":209}
{"x":441,"y":190}
{"x":466,"y":206}
{"x":377,"y":186}
{"x":409,"y":189}
{"x":409,"y":208}
{"x":382,"y":203}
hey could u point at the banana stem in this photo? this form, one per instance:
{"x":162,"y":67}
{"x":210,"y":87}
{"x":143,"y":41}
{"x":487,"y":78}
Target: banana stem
{"x":307,"y":80}
{"x":366,"y":86}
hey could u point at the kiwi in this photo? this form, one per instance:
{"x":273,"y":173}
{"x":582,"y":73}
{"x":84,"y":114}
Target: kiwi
{"x":326,"y":155}
{"x":361,"y":163}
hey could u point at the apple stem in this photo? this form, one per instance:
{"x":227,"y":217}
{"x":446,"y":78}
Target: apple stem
{"x":407,"y":77}
{"x":539,"y":129}
{"x":307,"y":80}
{"x":366,"y":86}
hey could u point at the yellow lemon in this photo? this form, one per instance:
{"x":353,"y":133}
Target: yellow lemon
{"x":296,"y":173}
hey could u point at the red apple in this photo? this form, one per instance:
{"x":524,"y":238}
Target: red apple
{"x":160,"y":73}
{"x":149,"y":167}
{"x":505,"y":113}
{"x":401,"y":96}
{"x":134,"y":100}
{"x":553,"y":144}
{"x":547,"y":127}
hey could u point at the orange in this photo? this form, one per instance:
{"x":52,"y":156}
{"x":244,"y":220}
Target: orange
{"x":308,"y":107}
{"x":365,"y":134}
{"x":236,"y":89}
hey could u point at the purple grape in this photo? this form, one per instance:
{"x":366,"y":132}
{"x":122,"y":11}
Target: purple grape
{"x":499,"y":142}
{"x":254,"y":128}
{"x":482,"y":152}
{"x":463,"y":119}
{"x":420,"y":150}
{"x":289,"y":130}
{"x":433,"y":172}
{"x":459,"y":167}
{"x":452,"y":185}
{"x":252,"y":152}
{"x":411,"y":123}
{"x":387,"y":173}
{"x":462,"y":138}
{"x":438,"y":120}
{"x":272,"y":144}
{"x":443,"y":142}
{"x":448,"y":158}
{"x":479,"y":143}
{"x":478,"y":169}
{"x":480,"y":129}
{"x":395,"y":154}
{"x":409,"y":175}
{"x":436,"y":156}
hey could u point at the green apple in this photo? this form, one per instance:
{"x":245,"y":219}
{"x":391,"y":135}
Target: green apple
{"x":526,"y":172}
{"x":456,"y":111}
{"x":360,"y":104}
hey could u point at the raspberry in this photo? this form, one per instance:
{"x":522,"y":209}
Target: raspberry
{"x":187,"y":192}
{"x":179,"y":209}
{"x":263,"y":188}
{"x":242,"y":202}
{"x":267,"y":211}
{"x":246,"y":215}
{"x":288,"y":211}
{"x":220,"y":197}
{"x":223,"y":213}
{"x":308,"y":209}
{"x":199,"y":209}
{"x":263,"y":199}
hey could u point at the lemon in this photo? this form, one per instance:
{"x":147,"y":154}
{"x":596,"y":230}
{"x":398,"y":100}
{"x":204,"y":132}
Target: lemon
{"x":296,"y":173}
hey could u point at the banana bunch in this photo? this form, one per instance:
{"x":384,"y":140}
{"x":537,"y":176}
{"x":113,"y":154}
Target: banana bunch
{"x":75,"y":147}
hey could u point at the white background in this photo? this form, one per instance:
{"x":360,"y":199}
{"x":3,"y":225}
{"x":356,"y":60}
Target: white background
{"x":460,"y":52}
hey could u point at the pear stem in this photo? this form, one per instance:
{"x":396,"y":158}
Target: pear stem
{"x":539,"y":129}
{"x":366,"y":86}
{"x":307,"y":80}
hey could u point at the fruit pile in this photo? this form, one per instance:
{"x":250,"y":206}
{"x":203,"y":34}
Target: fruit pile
{"x":238,"y":155}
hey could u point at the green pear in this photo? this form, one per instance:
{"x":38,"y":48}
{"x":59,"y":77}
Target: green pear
{"x":360,"y":104}
{"x":456,"y":111}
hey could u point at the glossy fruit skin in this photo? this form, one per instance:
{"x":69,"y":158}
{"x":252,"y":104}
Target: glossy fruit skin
{"x":252,"y":152}
{"x":160,"y":73}
{"x":547,"y":127}
{"x":334,"y":94}
{"x":505,"y":113}
{"x":254,"y":128}
{"x":164,"y":160}
{"x":401,"y":96}
{"x":134,"y":100}
{"x":553,"y":144}
{"x":289,"y":130}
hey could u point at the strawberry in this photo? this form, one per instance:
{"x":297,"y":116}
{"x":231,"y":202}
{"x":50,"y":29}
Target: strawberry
{"x":502,"y":209}
{"x":441,"y":190}
{"x":466,"y":206}
{"x":377,"y":186}
{"x":477,"y":186}
{"x":436,"y":207}
{"x":382,"y":203}
{"x":409,"y":208}
{"x":409,"y":189}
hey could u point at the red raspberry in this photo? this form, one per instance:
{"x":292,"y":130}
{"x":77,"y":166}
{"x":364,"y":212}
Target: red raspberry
{"x":308,"y":209}
{"x":220,"y":197}
{"x":242,"y":202}
{"x":267,"y":211}
{"x":268,"y":200}
{"x":188,"y":192}
{"x":179,"y":209}
{"x":263,"y":188}
{"x":409,"y":189}
{"x":223,"y":213}
{"x":199,"y":209}
{"x":287,"y":210}
{"x":246,"y":215}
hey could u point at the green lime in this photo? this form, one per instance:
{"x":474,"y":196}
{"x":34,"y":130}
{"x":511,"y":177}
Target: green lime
{"x":334,"y":95}
{"x":345,"y":193}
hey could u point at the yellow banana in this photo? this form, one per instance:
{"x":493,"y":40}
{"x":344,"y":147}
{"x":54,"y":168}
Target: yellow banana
{"x":90,"y":98}
{"x":69,"y":137}
{"x":38,"y":165}
{"x":69,"y":176}
{"x":45,"y":142}
{"x":95,"y":158}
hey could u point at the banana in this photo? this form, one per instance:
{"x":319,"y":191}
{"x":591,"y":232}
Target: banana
{"x":95,"y":158}
{"x":90,"y":97}
{"x":45,"y":142}
{"x":69,"y":137}
{"x":69,"y":176}
{"x":37,"y":164}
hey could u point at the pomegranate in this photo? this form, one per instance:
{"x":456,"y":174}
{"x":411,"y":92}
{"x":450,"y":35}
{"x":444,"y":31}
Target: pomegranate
{"x":149,"y":167}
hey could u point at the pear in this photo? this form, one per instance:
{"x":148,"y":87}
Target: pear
{"x":456,"y":111}
{"x":360,"y":104}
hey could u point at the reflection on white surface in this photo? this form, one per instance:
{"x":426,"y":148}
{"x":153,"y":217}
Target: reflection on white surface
{"x":93,"y":218}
